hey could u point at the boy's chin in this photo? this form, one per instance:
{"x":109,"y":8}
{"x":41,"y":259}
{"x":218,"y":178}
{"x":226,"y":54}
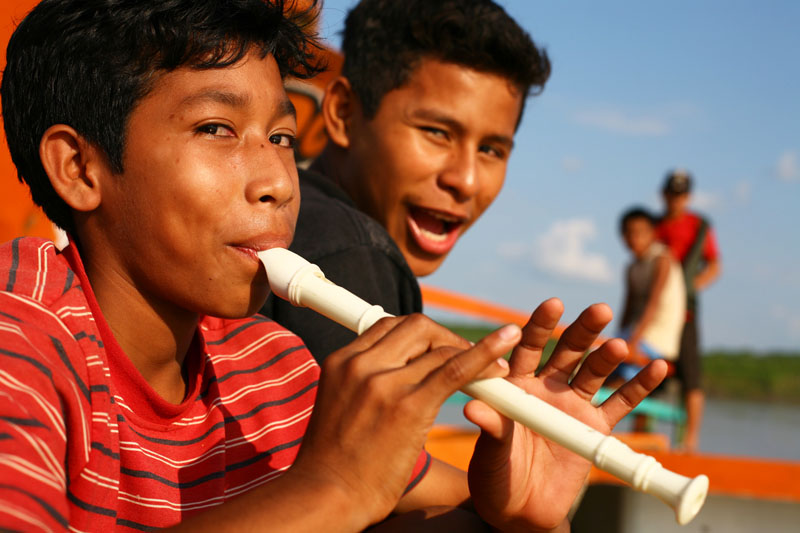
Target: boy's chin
{"x":242,"y":308}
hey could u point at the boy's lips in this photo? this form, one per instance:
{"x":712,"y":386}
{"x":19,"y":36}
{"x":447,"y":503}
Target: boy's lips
{"x":251,"y":247}
{"x":434,"y":231}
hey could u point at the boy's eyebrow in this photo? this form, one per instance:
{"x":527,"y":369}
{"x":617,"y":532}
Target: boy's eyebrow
{"x":216,"y":95}
{"x":458,"y":127}
{"x":285,"y":106}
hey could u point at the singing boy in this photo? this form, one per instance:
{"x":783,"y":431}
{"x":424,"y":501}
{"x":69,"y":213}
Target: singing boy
{"x":421,"y":126}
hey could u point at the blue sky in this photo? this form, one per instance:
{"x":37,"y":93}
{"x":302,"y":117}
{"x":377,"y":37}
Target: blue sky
{"x":639,"y":88}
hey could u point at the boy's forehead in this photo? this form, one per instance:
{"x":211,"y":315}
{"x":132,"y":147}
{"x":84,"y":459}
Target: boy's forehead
{"x":427,"y":64}
{"x":233,"y":86}
{"x":640,"y":222}
{"x":434,"y":101}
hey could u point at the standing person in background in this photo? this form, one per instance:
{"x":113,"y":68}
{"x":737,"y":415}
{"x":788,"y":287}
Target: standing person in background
{"x":691,"y":240}
{"x":655,"y":296}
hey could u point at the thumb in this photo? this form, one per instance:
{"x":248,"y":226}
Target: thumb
{"x":490,"y":421}
{"x":468,"y":365}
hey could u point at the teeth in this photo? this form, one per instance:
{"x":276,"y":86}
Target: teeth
{"x":433,"y":236}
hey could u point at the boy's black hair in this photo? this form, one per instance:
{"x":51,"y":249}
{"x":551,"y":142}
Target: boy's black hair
{"x":636,"y":213}
{"x":86,"y":63}
{"x":385,"y":40}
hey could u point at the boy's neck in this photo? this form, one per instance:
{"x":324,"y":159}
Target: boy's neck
{"x":155,"y":338}
{"x":677,"y":213}
{"x":641,"y":254}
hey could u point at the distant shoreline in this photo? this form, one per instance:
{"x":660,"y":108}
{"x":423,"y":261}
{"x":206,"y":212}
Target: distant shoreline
{"x":771,"y":377}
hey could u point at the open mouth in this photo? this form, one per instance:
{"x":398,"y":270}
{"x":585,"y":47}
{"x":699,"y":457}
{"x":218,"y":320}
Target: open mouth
{"x":433,"y":231}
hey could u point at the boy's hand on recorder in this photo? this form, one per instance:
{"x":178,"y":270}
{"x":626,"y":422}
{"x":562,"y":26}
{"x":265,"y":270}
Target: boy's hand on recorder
{"x":377,"y":399}
{"x":519,"y":480}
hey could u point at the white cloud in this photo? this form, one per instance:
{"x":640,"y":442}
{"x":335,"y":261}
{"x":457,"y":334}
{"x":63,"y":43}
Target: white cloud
{"x":789,"y":318}
{"x":787,"y":168}
{"x":743,"y":191}
{"x":572,"y":164}
{"x":619,"y":122}
{"x":704,"y":200}
{"x":561,"y":251}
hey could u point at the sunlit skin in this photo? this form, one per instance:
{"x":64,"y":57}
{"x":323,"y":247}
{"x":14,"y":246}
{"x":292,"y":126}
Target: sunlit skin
{"x":209,"y":178}
{"x":432,"y":158}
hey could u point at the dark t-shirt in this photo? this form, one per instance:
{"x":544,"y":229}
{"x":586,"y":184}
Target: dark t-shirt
{"x":353,"y":251}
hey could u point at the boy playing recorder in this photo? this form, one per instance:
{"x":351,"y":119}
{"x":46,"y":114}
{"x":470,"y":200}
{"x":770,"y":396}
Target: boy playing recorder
{"x":136,"y":393}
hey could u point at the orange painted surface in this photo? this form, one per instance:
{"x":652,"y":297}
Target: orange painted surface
{"x":18,"y":214}
{"x":731,"y":476}
{"x":744,"y":477}
{"x":452,"y":301}
{"x":483,"y":309}
{"x":307,"y":98}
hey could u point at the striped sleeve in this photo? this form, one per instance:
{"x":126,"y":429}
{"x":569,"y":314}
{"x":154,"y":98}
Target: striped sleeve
{"x":32,"y":431}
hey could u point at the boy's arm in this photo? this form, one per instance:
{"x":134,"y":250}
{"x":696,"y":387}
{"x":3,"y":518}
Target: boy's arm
{"x":710,"y":272}
{"x":626,"y":309}
{"x":660,"y":276}
{"x":377,"y":399}
{"x":33,"y":486}
{"x":443,"y":485}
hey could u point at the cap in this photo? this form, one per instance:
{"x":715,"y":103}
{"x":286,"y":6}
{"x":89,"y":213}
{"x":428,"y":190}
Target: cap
{"x":678,"y":181}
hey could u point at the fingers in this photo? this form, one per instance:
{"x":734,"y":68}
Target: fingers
{"x":597,"y":367}
{"x":526,"y":356}
{"x":575,"y":340}
{"x":419,"y":368}
{"x":634,"y":391}
{"x":490,"y":421}
{"x":393,"y":341}
{"x":467,"y":365}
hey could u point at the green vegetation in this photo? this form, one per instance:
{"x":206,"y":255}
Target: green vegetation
{"x":773,"y":377}
{"x":767,"y":377}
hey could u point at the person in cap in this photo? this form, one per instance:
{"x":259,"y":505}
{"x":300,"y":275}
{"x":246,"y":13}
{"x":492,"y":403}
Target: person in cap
{"x":691,"y":239}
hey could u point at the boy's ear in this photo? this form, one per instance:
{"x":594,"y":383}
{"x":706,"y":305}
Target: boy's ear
{"x":73,"y":166}
{"x":338,"y":106}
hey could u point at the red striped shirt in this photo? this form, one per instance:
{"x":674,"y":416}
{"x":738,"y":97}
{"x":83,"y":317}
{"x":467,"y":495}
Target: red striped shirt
{"x":87,"y":445}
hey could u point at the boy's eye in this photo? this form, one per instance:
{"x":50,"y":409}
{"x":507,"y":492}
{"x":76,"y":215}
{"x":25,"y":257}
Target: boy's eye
{"x":435,"y":132}
{"x":216,"y":130}
{"x":283,"y":139}
{"x":492,"y":151}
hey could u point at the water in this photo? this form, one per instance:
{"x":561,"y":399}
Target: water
{"x":751,"y":429}
{"x":730,"y":427}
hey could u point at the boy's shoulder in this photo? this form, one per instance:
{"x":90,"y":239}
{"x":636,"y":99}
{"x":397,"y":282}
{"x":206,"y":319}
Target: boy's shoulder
{"x":36,"y":278}
{"x":47,"y":331}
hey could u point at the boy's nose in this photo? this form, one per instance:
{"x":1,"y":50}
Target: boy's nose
{"x":460,"y":176}
{"x":272,"y":174}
